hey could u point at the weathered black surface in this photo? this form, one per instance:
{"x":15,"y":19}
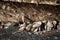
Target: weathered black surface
{"x":26,"y":36}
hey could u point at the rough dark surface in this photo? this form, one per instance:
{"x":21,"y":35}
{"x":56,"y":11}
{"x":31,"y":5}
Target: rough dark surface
{"x":26,"y":36}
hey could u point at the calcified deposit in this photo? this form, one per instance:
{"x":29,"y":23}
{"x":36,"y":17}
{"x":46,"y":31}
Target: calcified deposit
{"x":39,"y":19}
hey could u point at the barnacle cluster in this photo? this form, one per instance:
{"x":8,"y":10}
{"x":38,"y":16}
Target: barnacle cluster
{"x":17,"y":17}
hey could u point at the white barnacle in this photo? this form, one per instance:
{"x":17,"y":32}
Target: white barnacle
{"x":37,"y":24}
{"x":8,"y":8}
{"x":22,"y":26}
{"x":24,"y":0}
{"x":17,"y":15}
{"x":18,"y":0}
{"x":44,"y":21}
{"x":32,"y":1}
{"x":36,"y":30}
{"x":54,"y":22}
{"x":7,"y":25}
{"x":49,"y":25}
{"x":51,"y":3}
{"x":28,"y":27}
{"x":49,"y":14}
{"x":22,"y":16}
{"x":3,"y":7}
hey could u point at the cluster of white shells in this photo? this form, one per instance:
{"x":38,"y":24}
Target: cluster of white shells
{"x":38,"y":27}
{"x":35,"y":27}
